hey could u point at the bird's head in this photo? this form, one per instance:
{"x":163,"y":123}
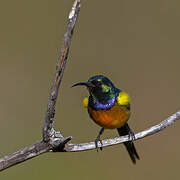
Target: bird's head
{"x":100,"y":88}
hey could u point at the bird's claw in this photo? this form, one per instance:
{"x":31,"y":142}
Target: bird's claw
{"x":131,"y":135}
{"x":96,"y":143}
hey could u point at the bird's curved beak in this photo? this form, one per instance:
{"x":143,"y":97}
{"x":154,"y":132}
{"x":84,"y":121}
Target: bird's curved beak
{"x":87,"y":84}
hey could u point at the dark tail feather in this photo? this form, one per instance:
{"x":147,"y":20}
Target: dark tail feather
{"x":125,"y":130}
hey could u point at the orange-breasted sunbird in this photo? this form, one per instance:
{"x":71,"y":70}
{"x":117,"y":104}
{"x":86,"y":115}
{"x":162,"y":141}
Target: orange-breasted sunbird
{"x":109,"y":107}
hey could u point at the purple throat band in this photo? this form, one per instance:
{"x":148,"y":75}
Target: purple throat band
{"x":110,"y":103}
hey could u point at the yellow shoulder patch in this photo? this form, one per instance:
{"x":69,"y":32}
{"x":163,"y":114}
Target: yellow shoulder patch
{"x":85,"y":102}
{"x":123,"y":98}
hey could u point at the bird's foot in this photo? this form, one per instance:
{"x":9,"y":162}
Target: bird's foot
{"x":96,"y":143}
{"x":131,"y":135}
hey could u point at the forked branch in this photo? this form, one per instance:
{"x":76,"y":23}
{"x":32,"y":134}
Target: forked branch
{"x":51,"y":138}
{"x":54,"y":141}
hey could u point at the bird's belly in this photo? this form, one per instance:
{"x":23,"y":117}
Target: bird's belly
{"x":114,"y":117}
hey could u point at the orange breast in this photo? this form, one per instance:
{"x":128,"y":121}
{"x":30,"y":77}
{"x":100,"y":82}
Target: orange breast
{"x":114,"y":117}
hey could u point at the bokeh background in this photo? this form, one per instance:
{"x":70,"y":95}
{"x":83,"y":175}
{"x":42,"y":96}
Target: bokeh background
{"x":134,"y":43}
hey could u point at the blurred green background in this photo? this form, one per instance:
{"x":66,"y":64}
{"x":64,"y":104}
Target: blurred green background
{"x":134,"y":43}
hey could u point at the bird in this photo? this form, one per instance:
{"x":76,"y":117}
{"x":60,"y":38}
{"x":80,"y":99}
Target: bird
{"x":109,"y":107}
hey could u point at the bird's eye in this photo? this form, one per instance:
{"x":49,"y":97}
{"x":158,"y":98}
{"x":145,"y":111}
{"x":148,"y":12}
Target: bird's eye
{"x":97,"y":83}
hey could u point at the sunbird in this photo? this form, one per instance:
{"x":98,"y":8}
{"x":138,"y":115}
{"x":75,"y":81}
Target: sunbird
{"x":109,"y":107}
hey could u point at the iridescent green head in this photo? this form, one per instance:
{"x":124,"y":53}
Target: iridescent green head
{"x":101,"y":89}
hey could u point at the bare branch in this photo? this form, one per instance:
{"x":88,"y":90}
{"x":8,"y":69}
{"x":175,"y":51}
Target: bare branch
{"x":51,"y":107}
{"x":24,"y":154}
{"x":32,"y":151}
{"x":42,"y":147}
{"x":54,"y":141}
{"x":51,"y":139}
{"x":118,"y":140}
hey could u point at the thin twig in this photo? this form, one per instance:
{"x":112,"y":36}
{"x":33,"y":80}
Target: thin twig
{"x":51,"y":106}
{"x":118,"y":140}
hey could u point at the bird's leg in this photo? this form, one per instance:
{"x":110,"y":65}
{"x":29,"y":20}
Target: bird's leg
{"x":99,"y":139}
